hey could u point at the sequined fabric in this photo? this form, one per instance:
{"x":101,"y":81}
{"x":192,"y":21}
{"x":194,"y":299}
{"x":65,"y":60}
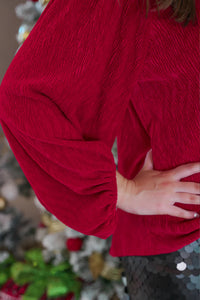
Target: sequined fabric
{"x":171,"y":276}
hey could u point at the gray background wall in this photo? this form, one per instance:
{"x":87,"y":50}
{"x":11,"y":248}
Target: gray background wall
{"x":9,"y":25}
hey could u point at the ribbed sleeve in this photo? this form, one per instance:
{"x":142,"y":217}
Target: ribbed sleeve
{"x":61,"y":103}
{"x":74,"y":179}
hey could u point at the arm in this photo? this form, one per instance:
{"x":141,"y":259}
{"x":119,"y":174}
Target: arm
{"x":148,"y":191}
{"x":121,"y":188}
{"x":57,"y":102}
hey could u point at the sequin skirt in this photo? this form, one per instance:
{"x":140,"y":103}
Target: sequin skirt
{"x":171,"y":276}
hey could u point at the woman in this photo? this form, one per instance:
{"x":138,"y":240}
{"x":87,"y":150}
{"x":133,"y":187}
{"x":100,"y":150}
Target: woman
{"x":160,"y":249}
{"x":72,"y":87}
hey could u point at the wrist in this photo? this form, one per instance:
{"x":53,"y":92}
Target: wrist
{"x":122,"y":185}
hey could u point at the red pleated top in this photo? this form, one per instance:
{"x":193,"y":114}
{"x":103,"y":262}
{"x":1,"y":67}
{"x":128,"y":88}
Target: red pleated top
{"x":90,"y":72}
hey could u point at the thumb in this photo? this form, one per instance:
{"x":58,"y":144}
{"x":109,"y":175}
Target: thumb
{"x":148,"y":163}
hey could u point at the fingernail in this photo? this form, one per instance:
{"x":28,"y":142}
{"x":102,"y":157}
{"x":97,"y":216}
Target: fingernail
{"x":196,"y":215}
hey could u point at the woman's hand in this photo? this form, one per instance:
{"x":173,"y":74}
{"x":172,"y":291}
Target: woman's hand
{"x":153,"y":192}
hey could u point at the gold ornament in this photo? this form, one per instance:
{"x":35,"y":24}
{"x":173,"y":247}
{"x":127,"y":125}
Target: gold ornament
{"x":51,"y":224}
{"x":25,"y":35}
{"x":46,"y":219}
{"x":114,"y":297}
{"x":111,"y":273}
{"x":96,"y":264}
{"x":2,"y":203}
{"x":44,"y":2}
{"x":56,"y":226}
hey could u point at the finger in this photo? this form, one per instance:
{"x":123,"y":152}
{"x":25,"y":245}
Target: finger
{"x":189,"y":187}
{"x":148,"y":162}
{"x":187,"y":198}
{"x":181,"y":213}
{"x":184,"y":170}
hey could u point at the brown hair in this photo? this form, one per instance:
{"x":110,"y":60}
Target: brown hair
{"x":183,"y":10}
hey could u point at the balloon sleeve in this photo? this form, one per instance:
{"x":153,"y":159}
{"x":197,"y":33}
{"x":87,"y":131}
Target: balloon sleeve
{"x":62,"y":99}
